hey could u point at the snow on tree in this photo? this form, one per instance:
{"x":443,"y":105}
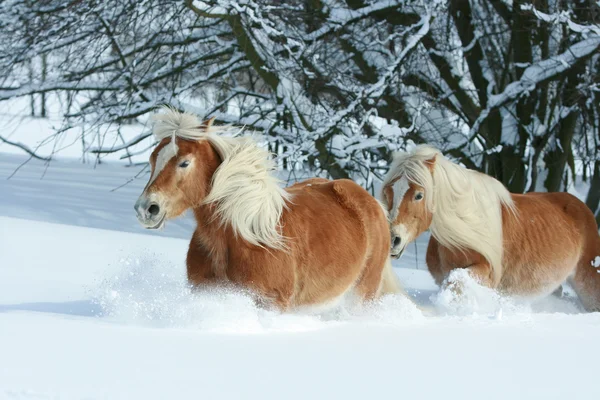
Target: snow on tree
{"x":509,"y":88}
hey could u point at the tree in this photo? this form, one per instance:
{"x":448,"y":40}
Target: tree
{"x":509,"y":89}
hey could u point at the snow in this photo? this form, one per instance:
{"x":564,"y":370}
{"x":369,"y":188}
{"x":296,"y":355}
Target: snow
{"x":94,"y":307}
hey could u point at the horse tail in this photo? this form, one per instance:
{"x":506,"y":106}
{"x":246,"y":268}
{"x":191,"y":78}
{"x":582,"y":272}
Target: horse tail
{"x":390,"y":284}
{"x":586,"y":280}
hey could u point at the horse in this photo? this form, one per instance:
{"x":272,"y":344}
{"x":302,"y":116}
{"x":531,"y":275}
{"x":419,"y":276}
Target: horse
{"x":523,"y":245}
{"x":312,"y":246}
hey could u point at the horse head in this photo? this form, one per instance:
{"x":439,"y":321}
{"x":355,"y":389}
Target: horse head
{"x":182,"y":170}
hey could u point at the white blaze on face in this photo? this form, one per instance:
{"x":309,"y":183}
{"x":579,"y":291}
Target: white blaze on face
{"x":400,"y":188}
{"x":162,"y":159}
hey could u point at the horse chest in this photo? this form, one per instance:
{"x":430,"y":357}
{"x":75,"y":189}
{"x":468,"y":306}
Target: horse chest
{"x":206,"y":261}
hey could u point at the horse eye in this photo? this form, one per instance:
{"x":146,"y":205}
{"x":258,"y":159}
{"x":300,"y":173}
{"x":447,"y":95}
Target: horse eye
{"x":419,"y":196}
{"x":184,"y":164}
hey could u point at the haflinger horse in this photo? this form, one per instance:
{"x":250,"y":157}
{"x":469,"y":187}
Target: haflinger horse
{"x":308,"y":247}
{"x":525,"y":245}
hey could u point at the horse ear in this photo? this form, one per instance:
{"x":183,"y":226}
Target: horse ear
{"x":431,"y":163}
{"x":205,"y":125}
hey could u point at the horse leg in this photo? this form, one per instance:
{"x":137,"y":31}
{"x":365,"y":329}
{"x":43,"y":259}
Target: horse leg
{"x":272,"y":299}
{"x":482,"y":273}
{"x":471,"y":261}
{"x":432,"y":259}
{"x":377,"y":277}
{"x":586,"y":280}
{"x":199,"y":264}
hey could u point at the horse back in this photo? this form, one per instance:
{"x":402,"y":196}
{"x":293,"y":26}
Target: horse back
{"x":560,"y":206}
{"x":337,"y":202}
{"x":558,"y":219}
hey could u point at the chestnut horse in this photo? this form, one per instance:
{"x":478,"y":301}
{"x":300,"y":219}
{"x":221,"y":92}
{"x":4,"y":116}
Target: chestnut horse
{"x":520,"y":244}
{"x":313,"y":245}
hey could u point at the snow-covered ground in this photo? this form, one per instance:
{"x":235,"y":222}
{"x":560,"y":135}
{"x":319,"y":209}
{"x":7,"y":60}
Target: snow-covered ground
{"x":94,"y":307}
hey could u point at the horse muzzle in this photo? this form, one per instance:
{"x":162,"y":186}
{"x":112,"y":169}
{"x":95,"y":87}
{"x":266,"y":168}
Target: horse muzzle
{"x":397,"y":246}
{"x":150,"y":213}
{"x":396,"y":253}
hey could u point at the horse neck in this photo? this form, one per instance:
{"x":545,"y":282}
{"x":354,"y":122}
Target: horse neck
{"x":210,"y":225}
{"x":210,"y":228}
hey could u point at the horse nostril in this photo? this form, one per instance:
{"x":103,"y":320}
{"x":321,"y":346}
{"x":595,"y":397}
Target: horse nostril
{"x":153,"y":209}
{"x":397,"y":241}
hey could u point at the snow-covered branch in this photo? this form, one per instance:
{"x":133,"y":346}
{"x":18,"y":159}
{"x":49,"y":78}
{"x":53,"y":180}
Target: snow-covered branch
{"x":25,"y":148}
{"x":334,"y":86}
{"x":539,"y":72}
{"x":562,"y":17}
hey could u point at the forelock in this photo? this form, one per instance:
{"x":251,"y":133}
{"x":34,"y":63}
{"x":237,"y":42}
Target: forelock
{"x":411,"y":166}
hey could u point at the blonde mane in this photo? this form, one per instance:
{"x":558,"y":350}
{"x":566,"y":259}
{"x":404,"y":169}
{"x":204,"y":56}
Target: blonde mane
{"x":246,"y":193}
{"x":466,"y":205}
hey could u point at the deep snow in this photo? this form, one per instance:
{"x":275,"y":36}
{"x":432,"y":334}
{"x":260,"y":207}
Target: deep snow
{"x":106,"y":314}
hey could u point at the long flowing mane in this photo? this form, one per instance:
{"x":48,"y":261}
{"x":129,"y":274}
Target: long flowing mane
{"x":466,"y":205}
{"x":246,"y":193}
